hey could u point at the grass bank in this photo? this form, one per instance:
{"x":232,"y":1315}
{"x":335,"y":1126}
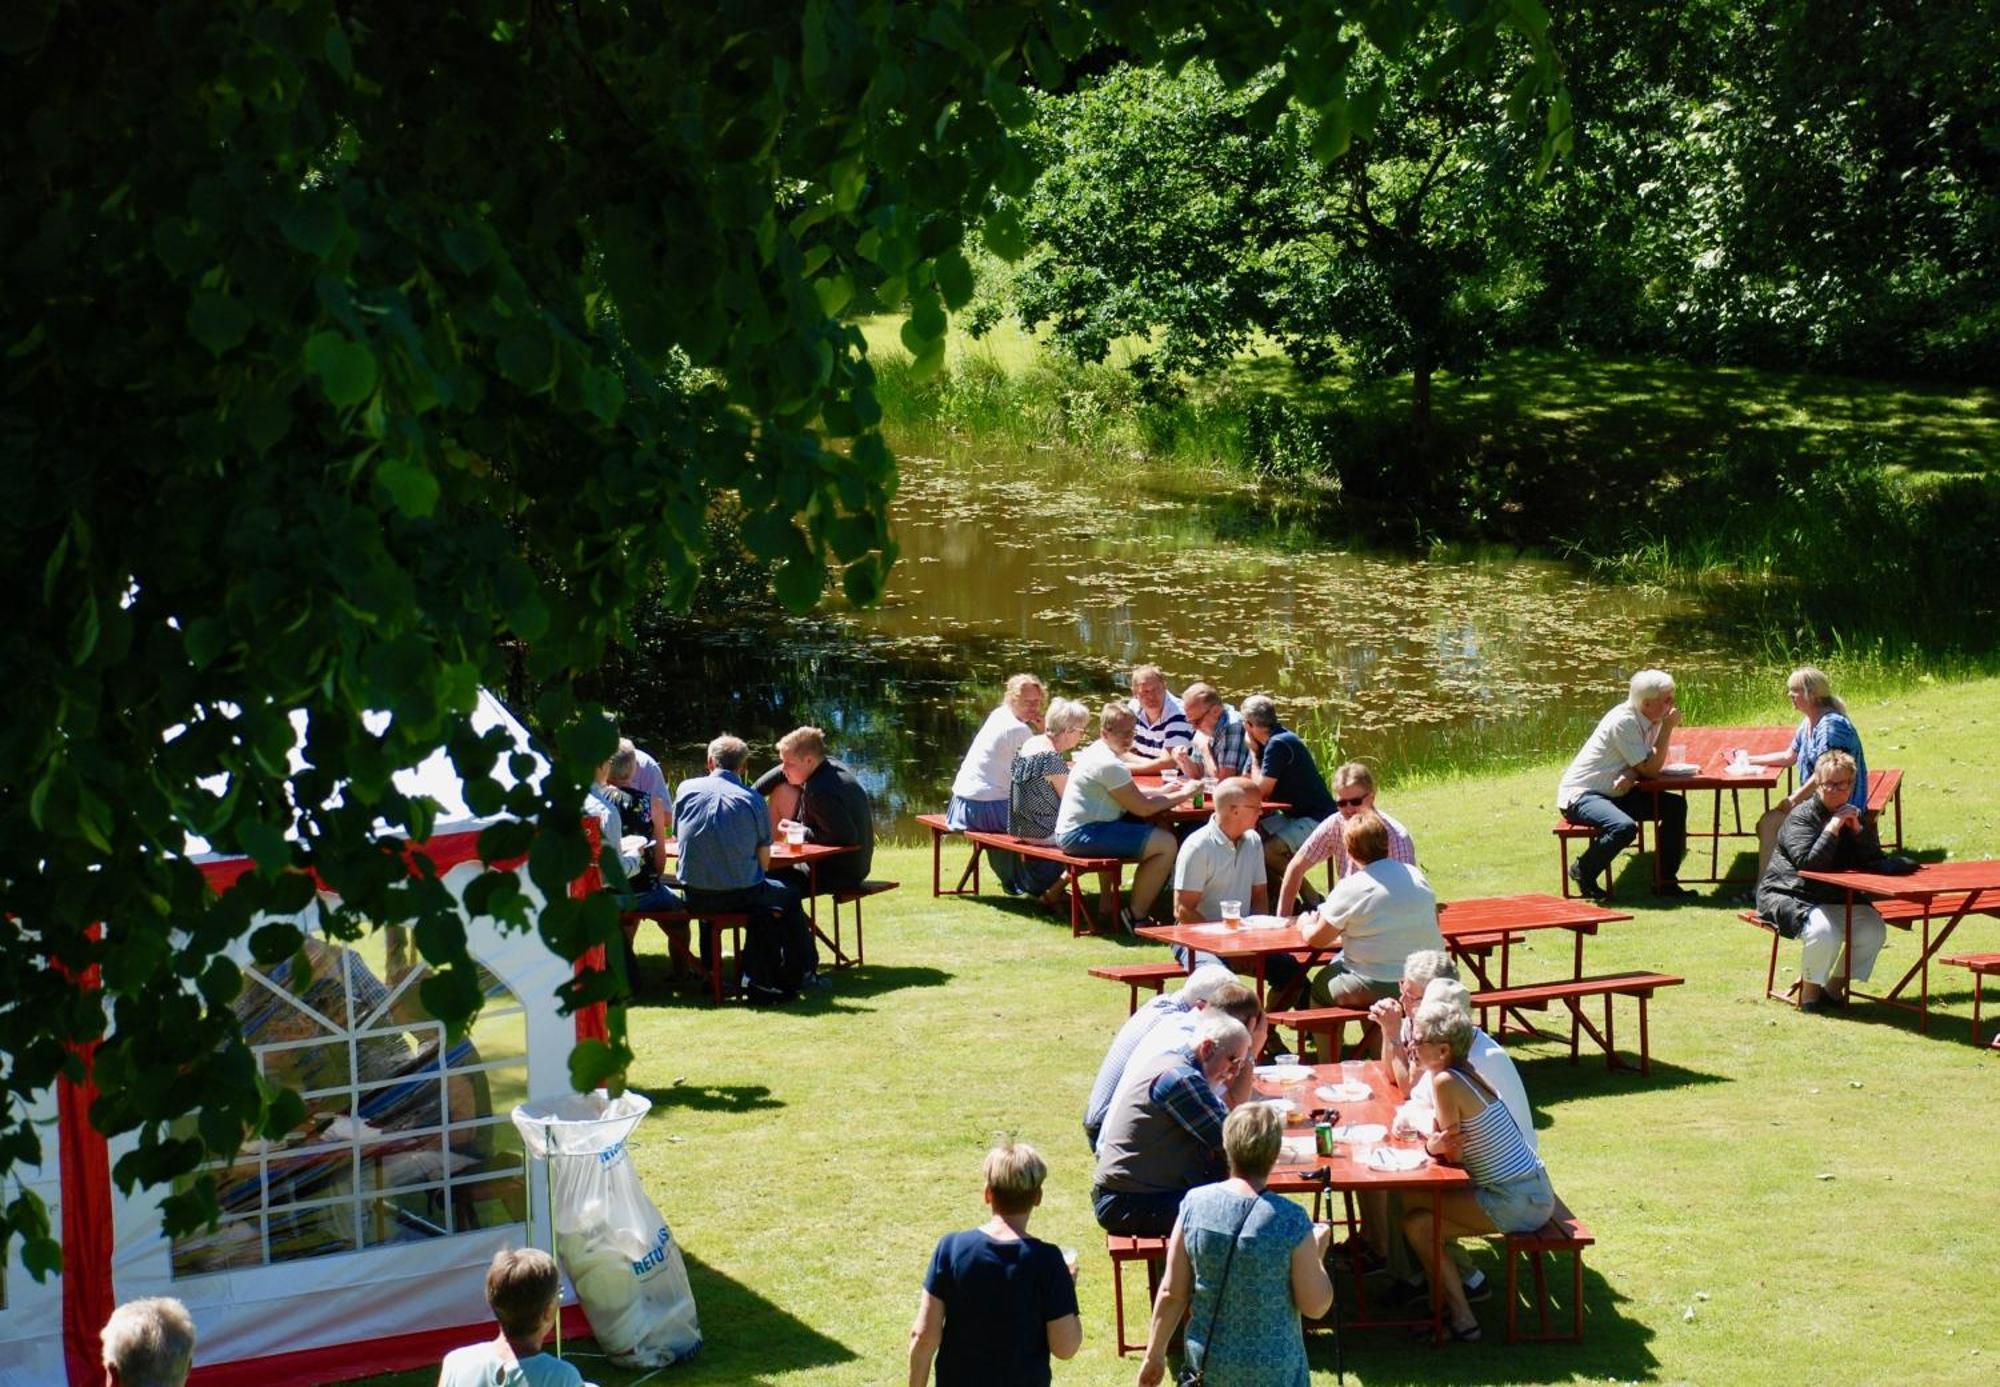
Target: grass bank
{"x":1803,"y":503}
{"x":1785,"y":1198}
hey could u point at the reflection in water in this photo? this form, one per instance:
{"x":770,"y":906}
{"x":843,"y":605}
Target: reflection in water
{"x":1380,"y":657}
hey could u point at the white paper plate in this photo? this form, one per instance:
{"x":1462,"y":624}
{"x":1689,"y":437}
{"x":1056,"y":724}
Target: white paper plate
{"x":1297,"y":1151}
{"x":1363,"y":1132}
{"x":1265,"y":921}
{"x":1680,"y":768}
{"x":1284,"y":1107}
{"x":1283,"y":1073}
{"x":1343,"y":1092}
{"x":1396,"y":1158}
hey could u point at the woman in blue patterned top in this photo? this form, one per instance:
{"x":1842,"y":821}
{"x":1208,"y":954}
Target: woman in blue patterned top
{"x":1823,"y":727}
{"x":1510,"y":1191}
{"x":1253,"y":1263}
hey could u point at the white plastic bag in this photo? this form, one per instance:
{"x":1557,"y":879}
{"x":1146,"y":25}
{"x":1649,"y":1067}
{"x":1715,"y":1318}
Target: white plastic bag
{"x":611,"y":1239}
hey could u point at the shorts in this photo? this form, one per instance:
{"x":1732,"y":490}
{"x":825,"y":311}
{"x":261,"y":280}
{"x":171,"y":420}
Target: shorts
{"x":1520,"y":1205}
{"x":1338,"y":985}
{"x":1125,"y":838}
{"x":979,"y":815}
{"x":1291,"y":829}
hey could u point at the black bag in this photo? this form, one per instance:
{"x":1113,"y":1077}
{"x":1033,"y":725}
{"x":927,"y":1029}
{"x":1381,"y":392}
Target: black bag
{"x":1893,"y":865}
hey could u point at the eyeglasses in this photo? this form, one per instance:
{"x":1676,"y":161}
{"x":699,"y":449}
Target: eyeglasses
{"x":1846,"y":784}
{"x":1352,"y":803}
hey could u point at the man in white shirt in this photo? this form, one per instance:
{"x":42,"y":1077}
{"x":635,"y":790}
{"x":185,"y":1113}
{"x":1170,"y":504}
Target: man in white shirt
{"x":1095,"y":800}
{"x":1599,"y":789}
{"x":1223,"y":860}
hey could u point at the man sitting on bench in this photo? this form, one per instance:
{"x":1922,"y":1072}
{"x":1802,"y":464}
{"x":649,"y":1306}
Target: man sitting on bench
{"x":1096,"y":800}
{"x":725,"y":845}
{"x":1163,"y":1134}
{"x":1186,"y":1004}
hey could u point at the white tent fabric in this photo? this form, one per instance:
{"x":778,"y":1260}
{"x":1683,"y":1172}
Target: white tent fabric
{"x":376,"y":1291}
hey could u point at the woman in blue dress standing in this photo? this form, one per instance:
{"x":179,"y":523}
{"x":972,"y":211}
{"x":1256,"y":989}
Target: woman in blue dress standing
{"x":1253,"y":1263}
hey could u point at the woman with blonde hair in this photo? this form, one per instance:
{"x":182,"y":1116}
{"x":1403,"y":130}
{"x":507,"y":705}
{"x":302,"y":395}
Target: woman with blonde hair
{"x":1251,"y":1262}
{"x":1510,"y":1187}
{"x":1040,"y":771}
{"x":1823,"y":727}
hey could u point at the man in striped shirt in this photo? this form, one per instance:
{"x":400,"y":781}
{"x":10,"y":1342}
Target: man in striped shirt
{"x":1164,"y":730}
{"x":1353,"y":792}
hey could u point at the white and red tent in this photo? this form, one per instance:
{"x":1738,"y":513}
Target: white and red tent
{"x":359,"y":1245}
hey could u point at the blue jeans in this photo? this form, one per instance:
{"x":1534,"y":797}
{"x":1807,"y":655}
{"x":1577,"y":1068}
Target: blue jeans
{"x":1137,"y":1215}
{"x":1616,"y":822}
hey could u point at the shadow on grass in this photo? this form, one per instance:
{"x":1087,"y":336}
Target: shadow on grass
{"x":1614,"y":1346}
{"x":736,"y":1098}
{"x":1552,"y":1079}
{"x":745,"y":1339}
{"x":658,"y":989}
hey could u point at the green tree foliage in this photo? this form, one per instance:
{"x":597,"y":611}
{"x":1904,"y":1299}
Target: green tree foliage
{"x":355,"y":350}
{"x":1200,"y":215}
{"x":1806,"y":185}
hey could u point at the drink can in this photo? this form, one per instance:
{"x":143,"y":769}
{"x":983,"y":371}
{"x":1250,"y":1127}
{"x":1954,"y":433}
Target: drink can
{"x":1323,"y":1138}
{"x":1197,"y":796}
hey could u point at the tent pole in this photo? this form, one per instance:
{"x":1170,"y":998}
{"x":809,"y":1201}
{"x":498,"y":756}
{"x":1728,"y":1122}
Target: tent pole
{"x":549,"y":1193}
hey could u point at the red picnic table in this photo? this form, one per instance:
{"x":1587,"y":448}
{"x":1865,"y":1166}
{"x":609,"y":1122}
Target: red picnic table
{"x":810,"y":855}
{"x":1185,"y":812}
{"x":1349,"y":1171}
{"x":1943,"y":890}
{"x":1470,"y":927}
{"x":1707,"y":749}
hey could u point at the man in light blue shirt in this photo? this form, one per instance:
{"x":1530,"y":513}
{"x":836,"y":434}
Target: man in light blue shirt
{"x":1193,"y":995}
{"x":725,"y":860}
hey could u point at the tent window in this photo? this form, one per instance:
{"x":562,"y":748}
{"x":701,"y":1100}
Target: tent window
{"x":407,"y":1136}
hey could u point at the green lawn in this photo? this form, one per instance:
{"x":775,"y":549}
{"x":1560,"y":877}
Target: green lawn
{"x":1787,"y":1198}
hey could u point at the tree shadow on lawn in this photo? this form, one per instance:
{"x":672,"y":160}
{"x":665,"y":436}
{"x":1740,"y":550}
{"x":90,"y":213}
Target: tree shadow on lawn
{"x":1551,"y":1079}
{"x":745,"y":1339}
{"x":658,"y":991}
{"x":737,"y":1098}
{"x":1613,"y":1347}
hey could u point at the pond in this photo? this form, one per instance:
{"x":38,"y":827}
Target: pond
{"x":1077,"y":575}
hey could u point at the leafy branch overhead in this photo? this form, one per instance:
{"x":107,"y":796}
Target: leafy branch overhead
{"x":354,"y":352}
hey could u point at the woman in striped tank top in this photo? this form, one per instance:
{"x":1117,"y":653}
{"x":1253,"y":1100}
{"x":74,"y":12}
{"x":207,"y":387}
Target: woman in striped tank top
{"x":1510,"y":1193}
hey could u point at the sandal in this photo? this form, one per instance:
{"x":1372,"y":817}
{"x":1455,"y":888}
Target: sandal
{"x":1470,"y":1334}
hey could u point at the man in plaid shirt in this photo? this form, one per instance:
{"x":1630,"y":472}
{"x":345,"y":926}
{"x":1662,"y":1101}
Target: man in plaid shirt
{"x":1353,"y":792}
{"x":1220,"y":743}
{"x":1163,"y":1134}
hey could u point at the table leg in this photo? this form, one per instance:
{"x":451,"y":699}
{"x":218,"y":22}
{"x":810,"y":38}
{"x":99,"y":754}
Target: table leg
{"x":1715,"y":840}
{"x":1437,"y":1261}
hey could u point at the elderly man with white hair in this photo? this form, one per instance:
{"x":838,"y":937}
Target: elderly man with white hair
{"x":1600,"y":788}
{"x":1193,"y":995}
{"x":148,"y":1343}
{"x":1163,"y":1134}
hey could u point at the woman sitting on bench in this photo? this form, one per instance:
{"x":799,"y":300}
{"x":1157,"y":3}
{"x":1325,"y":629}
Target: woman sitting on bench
{"x":1511,"y":1192}
{"x":1825,"y":834}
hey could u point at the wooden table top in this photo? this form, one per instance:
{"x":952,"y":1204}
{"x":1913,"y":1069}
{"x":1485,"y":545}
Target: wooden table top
{"x":1930,"y":879}
{"x":1707,"y":747}
{"x":1342,"y":1172}
{"x":1476,"y":916}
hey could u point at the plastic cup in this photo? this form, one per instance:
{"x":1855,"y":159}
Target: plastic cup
{"x":1232,"y":914}
{"x":795,"y":835}
{"x":1170,"y":774}
{"x":1677,"y":752}
{"x":1069,"y":1260}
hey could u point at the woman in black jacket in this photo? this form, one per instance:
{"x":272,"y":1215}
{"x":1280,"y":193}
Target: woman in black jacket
{"x":1824,"y":834}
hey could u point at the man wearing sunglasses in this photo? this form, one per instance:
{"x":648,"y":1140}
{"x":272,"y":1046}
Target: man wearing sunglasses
{"x":1353,"y":791}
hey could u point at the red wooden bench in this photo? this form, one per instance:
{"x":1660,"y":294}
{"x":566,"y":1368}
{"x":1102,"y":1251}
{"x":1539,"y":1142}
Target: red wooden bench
{"x":1751,"y":917}
{"x":674,"y":923}
{"x":1331,"y":1022}
{"x":1138,"y":975}
{"x":1885,"y":791}
{"x":1074,"y":868}
{"x":1566,"y":832}
{"x":1126,"y":1248}
{"x":1572,"y":992}
{"x":1564,"y":1232}
{"x":854,"y":896}
{"x":1981,"y":966}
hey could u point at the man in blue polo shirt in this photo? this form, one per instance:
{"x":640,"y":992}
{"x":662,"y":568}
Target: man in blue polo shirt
{"x":725,"y":861}
{"x":1287,"y":774}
